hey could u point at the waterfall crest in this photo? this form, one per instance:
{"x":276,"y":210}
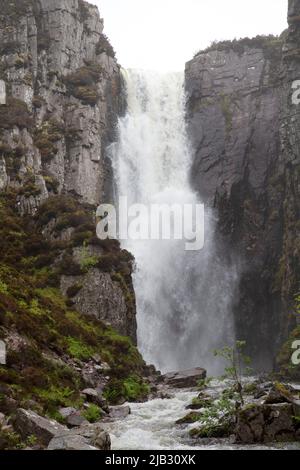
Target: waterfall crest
{"x":183,"y":298}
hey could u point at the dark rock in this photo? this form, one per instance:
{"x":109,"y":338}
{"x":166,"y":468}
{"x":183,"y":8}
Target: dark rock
{"x":94,"y":396}
{"x":266,"y":423}
{"x":242,"y":124}
{"x":185,"y":379}
{"x":27,"y":423}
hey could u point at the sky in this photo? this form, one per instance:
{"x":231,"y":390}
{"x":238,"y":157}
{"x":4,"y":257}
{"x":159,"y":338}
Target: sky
{"x":164,"y":34}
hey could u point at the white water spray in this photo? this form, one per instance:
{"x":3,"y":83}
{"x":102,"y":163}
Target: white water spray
{"x":183,"y":298}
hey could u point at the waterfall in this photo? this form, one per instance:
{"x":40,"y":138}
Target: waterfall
{"x":183,"y":297}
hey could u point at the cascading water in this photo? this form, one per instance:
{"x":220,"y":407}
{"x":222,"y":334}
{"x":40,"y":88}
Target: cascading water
{"x":183,"y":297}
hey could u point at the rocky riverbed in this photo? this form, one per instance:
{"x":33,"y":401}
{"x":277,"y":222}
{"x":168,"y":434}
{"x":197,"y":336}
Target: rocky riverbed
{"x":190,"y":419}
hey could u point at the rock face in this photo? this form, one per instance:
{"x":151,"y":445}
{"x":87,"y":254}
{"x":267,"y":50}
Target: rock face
{"x":243,"y":126}
{"x":60,"y":69}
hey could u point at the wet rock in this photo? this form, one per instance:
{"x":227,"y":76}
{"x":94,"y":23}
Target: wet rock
{"x":27,"y":423}
{"x":189,"y":418}
{"x":119,"y":412}
{"x":185,"y":379}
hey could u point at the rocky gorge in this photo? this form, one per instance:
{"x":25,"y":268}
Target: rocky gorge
{"x":74,"y":377}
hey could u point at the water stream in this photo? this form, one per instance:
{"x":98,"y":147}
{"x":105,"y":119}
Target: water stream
{"x":151,"y":426}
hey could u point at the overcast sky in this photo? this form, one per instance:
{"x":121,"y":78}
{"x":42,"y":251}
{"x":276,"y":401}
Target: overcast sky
{"x":164,"y":34}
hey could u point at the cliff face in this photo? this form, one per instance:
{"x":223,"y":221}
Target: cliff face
{"x":56,"y":60}
{"x":67,"y":305}
{"x":64,"y":93}
{"x":243,"y":128}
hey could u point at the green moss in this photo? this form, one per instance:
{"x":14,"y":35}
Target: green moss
{"x":226,"y":106}
{"x":93,"y":413}
{"x":78,"y":349}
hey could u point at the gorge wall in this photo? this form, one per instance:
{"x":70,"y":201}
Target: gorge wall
{"x":243,"y":127}
{"x":64,"y":93}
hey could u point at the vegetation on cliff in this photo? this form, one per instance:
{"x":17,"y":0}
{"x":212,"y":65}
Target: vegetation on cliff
{"x":48,"y":342}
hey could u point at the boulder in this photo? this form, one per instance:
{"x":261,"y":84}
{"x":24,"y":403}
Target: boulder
{"x":119,"y":412}
{"x":266,"y":423}
{"x":28,"y":423}
{"x":76,"y":420}
{"x":69,"y":442}
{"x":94,"y":396}
{"x":85,"y":437}
{"x":65,"y":412}
{"x":185,"y":379}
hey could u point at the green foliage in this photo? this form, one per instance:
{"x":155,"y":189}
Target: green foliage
{"x":33,"y":308}
{"x":216,"y":420}
{"x":93,"y":413}
{"x":78,"y":349}
{"x":237,"y":361}
{"x":131,"y":389}
{"x":88,"y":262}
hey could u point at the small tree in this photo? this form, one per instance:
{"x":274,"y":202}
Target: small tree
{"x":238,"y":362}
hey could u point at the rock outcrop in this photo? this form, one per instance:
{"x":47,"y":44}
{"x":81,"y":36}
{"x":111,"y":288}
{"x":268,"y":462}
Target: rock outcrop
{"x":243,"y":126}
{"x":64,"y":93}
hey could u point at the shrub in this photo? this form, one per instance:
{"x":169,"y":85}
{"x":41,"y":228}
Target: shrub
{"x":15,"y":113}
{"x":105,"y":46}
{"x":46,"y":136}
{"x":55,"y":207}
{"x":93,"y":413}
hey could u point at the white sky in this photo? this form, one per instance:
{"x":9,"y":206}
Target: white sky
{"x":164,"y":34}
